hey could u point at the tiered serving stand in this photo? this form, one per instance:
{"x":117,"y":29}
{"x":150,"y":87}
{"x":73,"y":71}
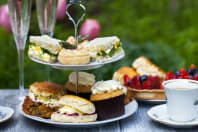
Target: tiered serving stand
{"x":130,"y":108}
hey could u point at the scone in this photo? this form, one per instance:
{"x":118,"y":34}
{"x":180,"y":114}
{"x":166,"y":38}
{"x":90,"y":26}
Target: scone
{"x":74,"y":110}
{"x":85,"y":82}
{"x":108,"y":97}
{"x":42,"y":99}
{"x":73,"y":57}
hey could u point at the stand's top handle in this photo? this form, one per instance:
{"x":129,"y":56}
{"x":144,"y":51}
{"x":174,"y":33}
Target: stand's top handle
{"x":75,"y":2}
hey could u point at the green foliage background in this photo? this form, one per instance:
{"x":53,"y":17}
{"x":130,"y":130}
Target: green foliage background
{"x":165,"y":31}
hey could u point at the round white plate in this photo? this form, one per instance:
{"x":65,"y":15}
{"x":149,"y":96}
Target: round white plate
{"x":159,"y":114}
{"x":130,"y":109}
{"x":152,"y":101}
{"x":5,"y":113}
{"x":91,"y":65}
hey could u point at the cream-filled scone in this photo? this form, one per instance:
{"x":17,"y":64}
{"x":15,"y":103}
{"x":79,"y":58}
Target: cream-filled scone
{"x":74,"y":110}
{"x":85,"y":82}
{"x":108,"y":98}
{"x":73,"y":57}
{"x":44,"y":48}
{"x":42,"y":99}
{"x":103,"y":49}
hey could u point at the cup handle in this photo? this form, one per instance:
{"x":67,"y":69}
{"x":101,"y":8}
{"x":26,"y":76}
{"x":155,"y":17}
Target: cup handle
{"x":196,"y":102}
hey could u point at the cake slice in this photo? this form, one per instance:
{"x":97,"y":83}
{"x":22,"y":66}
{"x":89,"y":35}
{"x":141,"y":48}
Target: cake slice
{"x":144,"y":67}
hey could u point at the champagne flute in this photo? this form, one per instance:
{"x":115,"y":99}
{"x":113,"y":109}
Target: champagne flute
{"x":20,"y":11}
{"x":46,"y":13}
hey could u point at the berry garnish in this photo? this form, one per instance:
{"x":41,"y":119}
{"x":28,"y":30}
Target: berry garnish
{"x":148,"y":83}
{"x":170,"y":75}
{"x":161,"y":86}
{"x":126,"y":79}
{"x":143,"y":78}
{"x":192,"y":66}
{"x":186,"y":77}
{"x":183,"y":72}
{"x":135,"y":83}
{"x":177,"y":73}
{"x":195,"y":77}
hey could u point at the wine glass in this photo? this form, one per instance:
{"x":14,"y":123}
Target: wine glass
{"x":46,"y":13}
{"x":20,"y":11}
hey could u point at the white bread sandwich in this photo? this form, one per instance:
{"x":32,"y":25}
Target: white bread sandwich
{"x":144,"y":67}
{"x":44,"y":48}
{"x":103,"y":49}
{"x":74,"y":110}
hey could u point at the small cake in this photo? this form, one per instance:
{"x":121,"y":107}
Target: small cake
{"x":74,"y":110}
{"x":108,"y":98}
{"x":73,"y":57}
{"x":85,"y":82}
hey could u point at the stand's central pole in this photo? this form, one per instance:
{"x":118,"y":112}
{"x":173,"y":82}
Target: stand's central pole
{"x":77,"y":83}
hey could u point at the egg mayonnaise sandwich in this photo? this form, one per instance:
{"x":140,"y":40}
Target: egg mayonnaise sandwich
{"x":44,"y":48}
{"x":103,"y":49}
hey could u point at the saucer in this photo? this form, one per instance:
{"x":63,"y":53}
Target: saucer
{"x":159,"y":114}
{"x":5,"y":113}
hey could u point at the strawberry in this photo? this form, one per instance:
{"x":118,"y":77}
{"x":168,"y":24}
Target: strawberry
{"x":148,"y":83}
{"x":155,"y":82}
{"x":135,"y":83}
{"x":126,"y":79}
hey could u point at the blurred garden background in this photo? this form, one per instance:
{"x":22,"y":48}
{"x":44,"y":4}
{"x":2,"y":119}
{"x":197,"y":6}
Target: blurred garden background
{"x":165,"y":31}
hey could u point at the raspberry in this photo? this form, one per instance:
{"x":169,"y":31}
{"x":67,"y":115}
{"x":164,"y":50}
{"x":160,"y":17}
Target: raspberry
{"x":183,"y":72}
{"x":148,"y":83}
{"x":126,"y":79}
{"x":186,"y":77}
{"x":170,"y":76}
{"x":161,"y":86}
{"x":195,"y":77}
{"x":135,"y":83}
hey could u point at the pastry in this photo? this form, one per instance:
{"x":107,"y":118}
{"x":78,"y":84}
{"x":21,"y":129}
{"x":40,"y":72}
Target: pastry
{"x":108,"y":97}
{"x":74,"y":110}
{"x":73,"y":57}
{"x":119,"y":74}
{"x":103,"y":49}
{"x":42,"y":99}
{"x":144,"y":67}
{"x":44,"y":48}
{"x":85,"y":82}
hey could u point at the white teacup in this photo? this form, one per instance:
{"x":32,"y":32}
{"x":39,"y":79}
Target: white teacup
{"x":182,"y":98}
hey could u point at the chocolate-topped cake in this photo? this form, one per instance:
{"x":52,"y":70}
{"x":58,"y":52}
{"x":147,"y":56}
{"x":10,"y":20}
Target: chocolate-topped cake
{"x":108,"y":98}
{"x":85,"y":82}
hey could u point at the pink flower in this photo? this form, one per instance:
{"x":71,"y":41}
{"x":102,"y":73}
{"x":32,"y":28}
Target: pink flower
{"x":61,"y":9}
{"x":5,"y":18}
{"x":90,"y":27}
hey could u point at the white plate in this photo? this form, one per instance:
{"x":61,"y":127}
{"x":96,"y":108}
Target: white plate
{"x":130,"y":109}
{"x":91,"y":65}
{"x":159,"y":114}
{"x":5,"y":113}
{"x":152,"y":101}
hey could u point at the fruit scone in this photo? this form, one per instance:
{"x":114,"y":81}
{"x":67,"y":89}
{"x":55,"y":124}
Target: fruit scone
{"x":143,"y":79}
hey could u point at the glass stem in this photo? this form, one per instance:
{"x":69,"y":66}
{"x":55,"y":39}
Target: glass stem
{"x":21,"y":71}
